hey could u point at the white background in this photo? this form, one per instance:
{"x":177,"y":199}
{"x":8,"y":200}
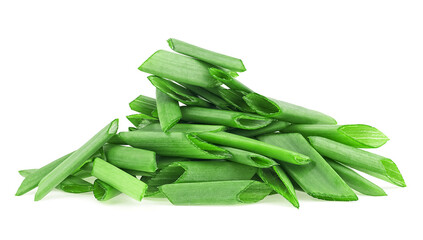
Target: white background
{"x":70,"y":67}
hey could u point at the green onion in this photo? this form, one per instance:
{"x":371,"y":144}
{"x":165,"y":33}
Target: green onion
{"x":285,"y":111}
{"x":224,"y":117}
{"x":75,"y":160}
{"x":277,"y":179}
{"x":179,"y":68}
{"x":119,"y":179}
{"x":361,"y":160}
{"x":233,"y":97}
{"x":131,"y":158}
{"x":168,"y":110}
{"x":249,"y":158}
{"x":174,"y":144}
{"x":211,"y":97}
{"x":317,"y":179}
{"x":31,"y":181}
{"x":271,"y":128}
{"x":252,"y":145}
{"x":163,"y":162}
{"x":177,"y":92}
{"x":355,"y":180}
{"x":215,"y":193}
{"x":103,"y":191}
{"x":26,"y":172}
{"x":228,"y":80}
{"x":136,"y":119}
{"x":143,"y":104}
{"x":184,"y":127}
{"x":356,"y":135}
{"x":205,"y":55}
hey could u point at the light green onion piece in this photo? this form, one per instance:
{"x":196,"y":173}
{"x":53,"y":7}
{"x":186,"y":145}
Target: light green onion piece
{"x":277,"y":179}
{"x":174,"y":144}
{"x":271,"y":128}
{"x":31,"y":181}
{"x":168,"y":110}
{"x":200,"y":171}
{"x":224,"y":117}
{"x":355,"y":135}
{"x":285,"y":111}
{"x":26,"y":172}
{"x":75,"y":160}
{"x":233,"y":97}
{"x":370,"y":163}
{"x":215,"y":193}
{"x":136,"y":119}
{"x":228,"y":80}
{"x":211,"y":97}
{"x":355,"y":180}
{"x":119,"y":179}
{"x":143,"y":104}
{"x":249,"y":158}
{"x":317,"y":179}
{"x":205,"y":55}
{"x":179,"y":68}
{"x":103,"y":191}
{"x":252,"y":145}
{"x":131,"y":158}
{"x":184,"y":127}
{"x":177,"y":92}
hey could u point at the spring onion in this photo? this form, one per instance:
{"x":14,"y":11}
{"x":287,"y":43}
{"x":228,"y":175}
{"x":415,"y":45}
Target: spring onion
{"x":103,"y":191}
{"x":143,"y":104}
{"x":271,"y":128}
{"x":211,"y":97}
{"x":136,"y":119}
{"x":233,"y":97}
{"x":131,"y":158}
{"x":184,"y":127}
{"x":228,"y":80}
{"x":249,"y":158}
{"x":168,"y":110}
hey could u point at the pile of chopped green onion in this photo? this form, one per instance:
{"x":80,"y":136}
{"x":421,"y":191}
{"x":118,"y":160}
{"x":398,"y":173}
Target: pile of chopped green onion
{"x":207,"y":139}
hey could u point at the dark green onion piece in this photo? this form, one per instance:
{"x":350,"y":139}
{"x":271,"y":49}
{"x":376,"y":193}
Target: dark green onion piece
{"x":224,"y":117}
{"x":355,"y":135}
{"x":249,"y":158}
{"x":370,"y":163}
{"x":317,"y":178}
{"x":103,"y":191}
{"x":285,"y":111}
{"x":211,"y":97}
{"x":143,"y":104}
{"x":174,"y":144}
{"x":205,"y":55}
{"x":271,"y":128}
{"x":252,"y":145}
{"x":75,"y":160}
{"x":277,"y":179}
{"x":233,"y":97}
{"x":215,"y":193}
{"x":119,"y":179}
{"x":177,"y":92}
{"x":179,"y":68}
{"x":187,"y":128}
{"x":228,"y":80}
{"x":355,"y":180}
{"x":168,"y":110}
{"x":136,"y":119}
{"x":163,"y":162}
{"x":31,"y":181}
{"x":131,"y":158}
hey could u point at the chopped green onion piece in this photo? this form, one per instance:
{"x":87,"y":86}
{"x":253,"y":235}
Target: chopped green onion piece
{"x":271,"y":128}
{"x":179,"y":68}
{"x":215,"y":193}
{"x":143,"y":104}
{"x":174,"y":144}
{"x":252,"y":145}
{"x":163,"y":162}
{"x":103,"y":191}
{"x":31,"y":181}
{"x":224,"y":117}
{"x":168,"y":110}
{"x":277,"y":179}
{"x":285,"y":111}
{"x":136,"y":119}
{"x":119,"y":179}
{"x":82,"y":174}
{"x":75,"y":160}
{"x":317,"y":179}
{"x":131,"y":158}
{"x":187,"y":128}
{"x":26,"y":172}
{"x":249,"y":158}
{"x":228,"y":80}
{"x":355,"y":135}
{"x":233,"y":97}
{"x":355,"y":180}
{"x":370,"y":163}
{"x":139,"y":173}
{"x":211,"y":97}
{"x":177,"y":92}
{"x":205,"y":55}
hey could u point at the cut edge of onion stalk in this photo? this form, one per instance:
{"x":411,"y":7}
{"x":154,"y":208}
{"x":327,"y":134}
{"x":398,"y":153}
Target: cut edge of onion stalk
{"x":228,"y":80}
{"x":233,"y":97}
{"x":185,"y":127}
{"x":136,"y":119}
{"x":274,"y":126}
{"x":249,"y":158}
{"x":168,"y":110}
{"x":177,"y":92}
{"x":143,"y":104}
{"x":103,"y":191}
